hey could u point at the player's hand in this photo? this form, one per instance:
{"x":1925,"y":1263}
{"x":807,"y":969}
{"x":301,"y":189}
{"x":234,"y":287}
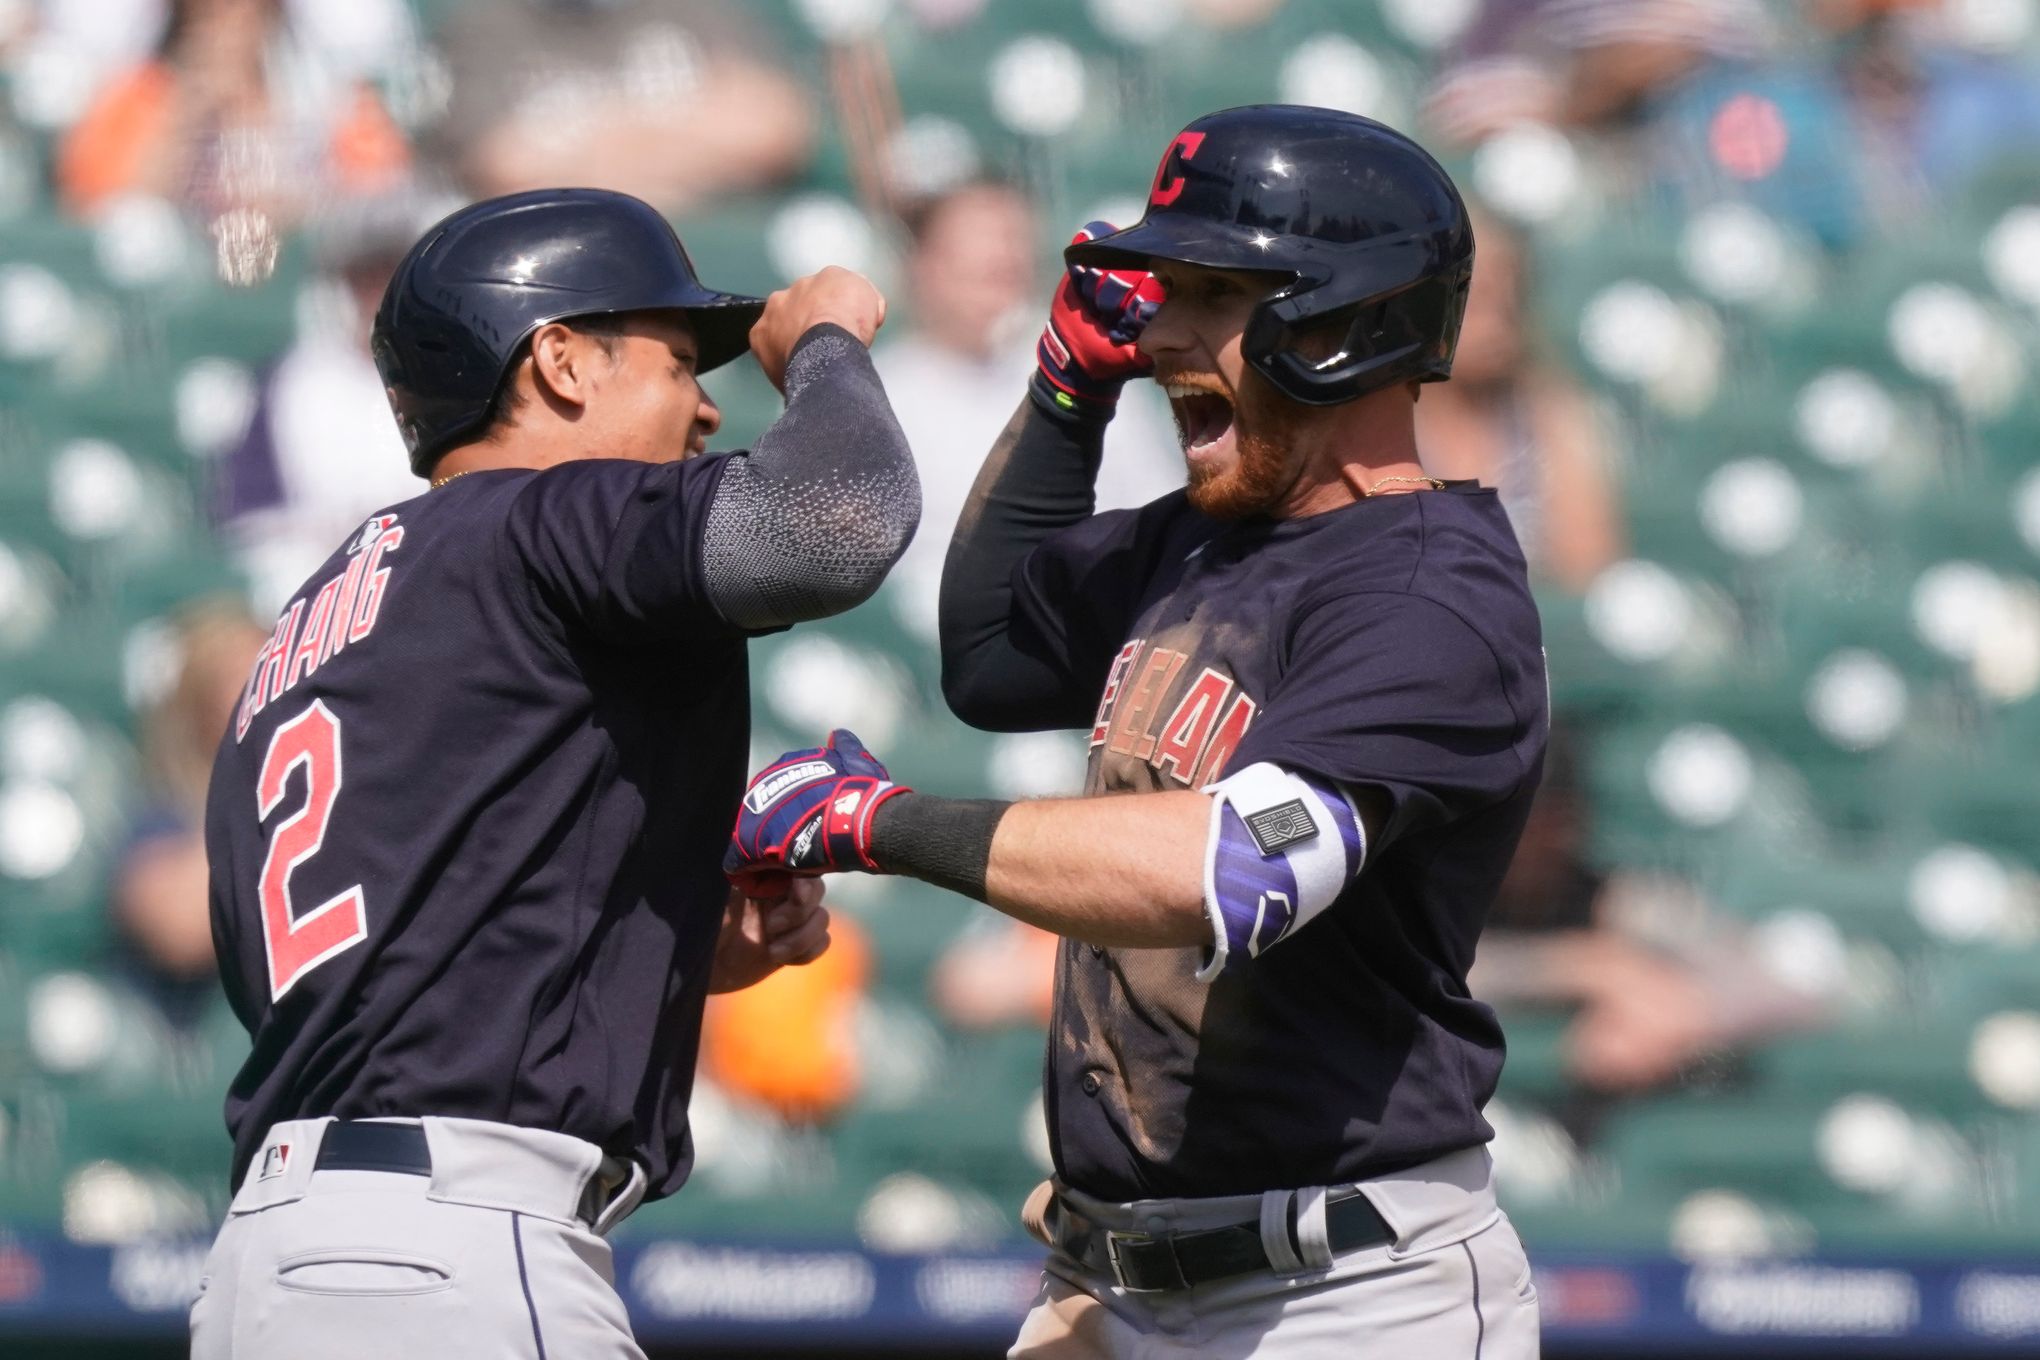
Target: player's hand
{"x":831,"y":294}
{"x":788,"y":926}
{"x":1645,"y":1019}
{"x":809,"y":812}
{"x":1086,"y":352}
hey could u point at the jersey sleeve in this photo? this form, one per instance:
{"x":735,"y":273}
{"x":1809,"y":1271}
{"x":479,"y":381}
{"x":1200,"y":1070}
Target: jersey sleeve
{"x":1400,"y":695}
{"x":614,"y":546}
{"x":1075,"y":597}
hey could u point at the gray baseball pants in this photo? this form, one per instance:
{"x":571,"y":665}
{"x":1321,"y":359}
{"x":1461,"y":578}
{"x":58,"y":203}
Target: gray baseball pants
{"x":1452,"y":1285}
{"x":497,"y":1253}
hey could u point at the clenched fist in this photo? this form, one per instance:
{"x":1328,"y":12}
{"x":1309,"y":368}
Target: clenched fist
{"x":1088,"y":351}
{"x":762,"y":934}
{"x":833,"y":294}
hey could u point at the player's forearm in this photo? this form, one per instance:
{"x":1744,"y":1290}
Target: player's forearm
{"x":1117,"y":871}
{"x":1535,"y":968}
{"x":1125,"y":871}
{"x":811,"y":521}
{"x":1038,"y":480}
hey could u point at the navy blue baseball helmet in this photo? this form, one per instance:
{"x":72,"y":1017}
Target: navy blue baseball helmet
{"x":473,"y":289}
{"x":1369,"y":229}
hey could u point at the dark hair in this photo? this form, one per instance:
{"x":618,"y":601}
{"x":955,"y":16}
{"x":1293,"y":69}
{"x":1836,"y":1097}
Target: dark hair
{"x":605,"y":330}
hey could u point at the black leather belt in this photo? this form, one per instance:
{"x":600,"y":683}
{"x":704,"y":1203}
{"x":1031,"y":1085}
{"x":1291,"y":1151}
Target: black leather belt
{"x":1149,"y":1262}
{"x":362,"y":1145}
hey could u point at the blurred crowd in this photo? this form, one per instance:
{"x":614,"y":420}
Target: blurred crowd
{"x":343,"y":127}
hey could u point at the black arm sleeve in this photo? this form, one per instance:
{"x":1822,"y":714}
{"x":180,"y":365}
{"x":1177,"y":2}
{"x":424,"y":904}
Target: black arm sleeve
{"x":944,"y":841}
{"x":999,"y":672}
{"x":810,"y":522}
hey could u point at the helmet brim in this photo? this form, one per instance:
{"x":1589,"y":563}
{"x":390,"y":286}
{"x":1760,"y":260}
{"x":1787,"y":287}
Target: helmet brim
{"x":1188,"y":240}
{"x":722,"y":327}
{"x":721,"y":322}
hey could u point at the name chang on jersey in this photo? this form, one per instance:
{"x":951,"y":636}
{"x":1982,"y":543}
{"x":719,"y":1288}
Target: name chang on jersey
{"x":340,"y":612}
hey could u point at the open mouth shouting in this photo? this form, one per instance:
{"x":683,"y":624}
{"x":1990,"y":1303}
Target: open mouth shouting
{"x":1204,"y":416}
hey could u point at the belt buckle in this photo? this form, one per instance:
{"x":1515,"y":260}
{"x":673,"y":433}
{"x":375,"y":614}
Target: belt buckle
{"x":1115,"y":1240}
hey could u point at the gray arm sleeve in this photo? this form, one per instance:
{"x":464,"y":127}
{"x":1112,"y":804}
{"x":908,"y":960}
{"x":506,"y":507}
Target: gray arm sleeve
{"x":808,"y":524}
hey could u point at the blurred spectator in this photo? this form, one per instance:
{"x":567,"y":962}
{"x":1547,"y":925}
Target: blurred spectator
{"x":1657,"y":983}
{"x":321,"y":452}
{"x":236,"y":109}
{"x":1936,"y":98}
{"x":159,"y":901}
{"x":958,"y":372}
{"x":371,"y":39}
{"x":1512,"y":420}
{"x":937,"y":15}
{"x":1623,"y":54}
{"x":1698,"y":100}
{"x":1582,"y":62}
{"x":996,"y":973}
{"x":1687,"y":101}
{"x":789,"y":1043}
{"x":676,"y":101}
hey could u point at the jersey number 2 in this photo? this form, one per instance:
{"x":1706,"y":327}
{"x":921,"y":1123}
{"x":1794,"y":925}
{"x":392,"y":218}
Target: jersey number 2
{"x":299,"y":943}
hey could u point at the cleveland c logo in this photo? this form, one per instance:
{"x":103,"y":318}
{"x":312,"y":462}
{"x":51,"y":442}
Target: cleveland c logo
{"x":1185,"y":146}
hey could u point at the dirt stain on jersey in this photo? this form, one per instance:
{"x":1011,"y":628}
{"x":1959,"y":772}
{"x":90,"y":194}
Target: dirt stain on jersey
{"x":1170,"y":716}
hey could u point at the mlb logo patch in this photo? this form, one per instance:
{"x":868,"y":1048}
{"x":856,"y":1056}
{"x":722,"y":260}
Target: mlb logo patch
{"x":1281,"y":826}
{"x":370,"y":532}
{"x":275,"y":1161}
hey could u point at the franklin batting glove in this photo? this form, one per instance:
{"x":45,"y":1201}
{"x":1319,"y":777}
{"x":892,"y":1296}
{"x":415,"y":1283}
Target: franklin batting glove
{"x":808,"y":813}
{"x":1086,"y":352}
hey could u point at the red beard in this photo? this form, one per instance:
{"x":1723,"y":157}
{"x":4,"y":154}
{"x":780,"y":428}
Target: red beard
{"x":1266,"y":466}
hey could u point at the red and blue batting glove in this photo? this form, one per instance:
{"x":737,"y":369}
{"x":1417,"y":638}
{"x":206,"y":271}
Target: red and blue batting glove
{"x":1086,"y":353}
{"x":808,"y":813}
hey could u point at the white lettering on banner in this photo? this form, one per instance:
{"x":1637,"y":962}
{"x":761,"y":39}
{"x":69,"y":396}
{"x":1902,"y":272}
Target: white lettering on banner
{"x":157,"y":1278}
{"x":1782,"y":1300}
{"x":1993,"y":1303}
{"x":964,"y":1290}
{"x":677,"y":1280}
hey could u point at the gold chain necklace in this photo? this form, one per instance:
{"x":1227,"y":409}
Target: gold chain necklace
{"x":451,"y":477}
{"x":1434,"y":483}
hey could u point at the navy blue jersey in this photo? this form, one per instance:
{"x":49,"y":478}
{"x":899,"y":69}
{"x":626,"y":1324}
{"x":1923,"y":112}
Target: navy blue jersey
{"x":1391,"y":647}
{"x":466,"y":825}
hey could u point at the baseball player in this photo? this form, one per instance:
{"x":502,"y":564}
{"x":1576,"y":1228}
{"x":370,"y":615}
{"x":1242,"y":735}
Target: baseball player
{"x":1318,"y":673}
{"x":464,"y":828}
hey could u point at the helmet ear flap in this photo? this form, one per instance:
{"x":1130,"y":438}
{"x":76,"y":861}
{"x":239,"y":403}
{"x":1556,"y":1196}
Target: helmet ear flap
{"x":1319,"y":349}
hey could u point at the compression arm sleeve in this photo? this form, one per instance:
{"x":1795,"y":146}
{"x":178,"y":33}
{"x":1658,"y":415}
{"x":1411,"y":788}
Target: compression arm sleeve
{"x":808,"y":524}
{"x":1038,"y":480}
{"x":944,"y":841}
